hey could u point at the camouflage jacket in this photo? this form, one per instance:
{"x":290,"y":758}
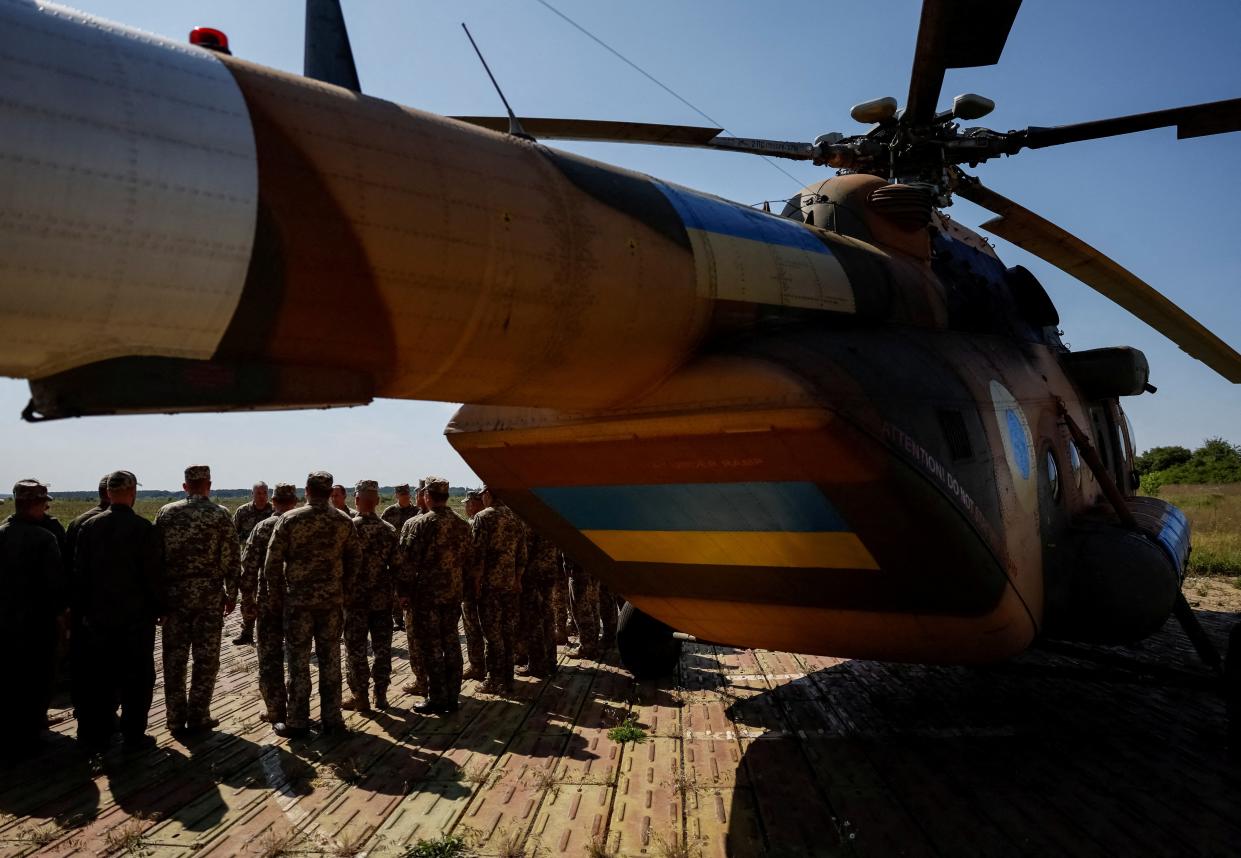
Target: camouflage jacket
{"x":377,"y":549}
{"x":499,"y":549}
{"x":255,"y":594}
{"x":31,"y":578}
{"x":312,"y":559}
{"x":248,"y":516}
{"x":542,"y":562}
{"x":202,"y":557}
{"x":579,"y":576}
{"x":436,"y":551}
{"x":396,"y":515}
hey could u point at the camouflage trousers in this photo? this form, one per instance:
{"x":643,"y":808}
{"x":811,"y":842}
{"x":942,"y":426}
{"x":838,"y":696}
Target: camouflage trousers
{"x":269,"y":643}
{"x":435,"y":626}
{"x":609,"y":615}
{"x":585,"y":594}
{"x":536,"y":636}
{"x":413,"y":642}
{"x":359,"y":626}
{"x":320,"y":626}
{"x":187,"y":632}
{"x":560,"y":608}
{"x":475,"y":646}
{"x":499,"y":614}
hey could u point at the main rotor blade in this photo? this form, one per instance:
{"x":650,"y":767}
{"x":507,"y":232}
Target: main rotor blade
{"x":1198,"y":120}
{"x":607,"y":131}
{"x":328,"y":56}
{"x":1072,"y":255}
{"x":955,"y":34}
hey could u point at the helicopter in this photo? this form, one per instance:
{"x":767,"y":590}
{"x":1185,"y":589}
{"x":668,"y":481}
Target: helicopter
{"x":846,"y":428}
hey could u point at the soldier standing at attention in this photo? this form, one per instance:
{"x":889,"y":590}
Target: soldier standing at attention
{"x":245,"y":519}
{"x":259,"y":603}
{"x":584,"y":593}
{"x":475,"y":646}
{"x":312,"y":561}
{"x":435,"y":552}
{"x":202,"y":560}
{"x":368,"y":603}
{"x":538,"y":635}
{"x":67,"y":552}
{"x":47,"y":521}
{"x":32,"y":577}
{"x":500,"y":552}
{"x":339,"y":500}
{"x":396,"y":515}
{"x":116,"y":595}
{"x":71,"y":532}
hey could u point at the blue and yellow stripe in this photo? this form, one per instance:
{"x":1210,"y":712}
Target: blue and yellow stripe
{"x":741,"y":254}
{"x":776,"y":524}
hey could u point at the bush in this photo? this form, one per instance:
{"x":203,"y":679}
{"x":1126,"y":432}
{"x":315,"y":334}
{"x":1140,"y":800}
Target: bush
{"x":1215,"y":462}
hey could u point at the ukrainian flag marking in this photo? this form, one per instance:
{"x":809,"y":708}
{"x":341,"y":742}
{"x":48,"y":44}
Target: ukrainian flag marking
{"x":745,"y":255}
{"x":788,"y":524}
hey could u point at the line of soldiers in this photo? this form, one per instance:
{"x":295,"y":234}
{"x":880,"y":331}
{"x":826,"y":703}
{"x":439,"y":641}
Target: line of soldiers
{"x":306,"y":575}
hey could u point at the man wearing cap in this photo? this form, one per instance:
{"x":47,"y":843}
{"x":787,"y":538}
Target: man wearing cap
{"x":312,"y":561}
{"x":435,"y":552}
{"x":71,"y":532}
{"x":499,"y":540}
{"x":116,"y":595}
{"x":202,"y":560}
{"x":34,"y":596}
{"x":368,"y":603}
{"x":396,"y":515}
{"x":475,"y":645}
{"x":245,"y":518}
{"x":261,"y":605}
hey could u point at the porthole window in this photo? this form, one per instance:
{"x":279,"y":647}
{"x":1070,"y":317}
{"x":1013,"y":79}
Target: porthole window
{"x":1075,"y":463}
{"x":1053,"y":476}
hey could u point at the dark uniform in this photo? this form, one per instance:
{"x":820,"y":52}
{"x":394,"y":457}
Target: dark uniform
{"x":31,"y":576}
{"x":396,"y":515}
{"x":202,"y":561}
{"x":538,"y":633}
{"x":67,"y":555}
{"x":500,"y":551}
{"x":311,"y":561}
{"x":116,"y":595}
{"x":260,"y":601}
{"x":435,"y":552}
{"x":368,"y":605}
{"x":245,"y":518}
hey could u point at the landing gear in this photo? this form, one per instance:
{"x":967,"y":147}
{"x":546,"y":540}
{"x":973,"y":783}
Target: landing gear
{"x":647,"y":647}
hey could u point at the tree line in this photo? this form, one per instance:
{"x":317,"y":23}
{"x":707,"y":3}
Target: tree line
{"x":1216,"y":461}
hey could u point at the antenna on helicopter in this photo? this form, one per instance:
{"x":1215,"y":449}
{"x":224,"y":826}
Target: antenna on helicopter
{"x":514,"y":124}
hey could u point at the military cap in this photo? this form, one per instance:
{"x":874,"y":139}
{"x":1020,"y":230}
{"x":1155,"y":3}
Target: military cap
{"x":367,"y":486}
{"x":436,"y":485}
{"x":194,"y":473}
{"x":402,"y":489}
{"x":30,"y":490}
{"x":285,"y":492}
{"x":319,"y":480}
{"x":119,"y":480}
{"x":474,"y":494}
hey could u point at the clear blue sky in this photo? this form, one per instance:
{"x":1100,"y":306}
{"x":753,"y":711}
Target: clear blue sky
{"x":1166,"y":209}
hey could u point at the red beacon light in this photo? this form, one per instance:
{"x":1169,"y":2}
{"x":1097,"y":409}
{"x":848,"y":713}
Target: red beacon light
{"x":210,"y":38}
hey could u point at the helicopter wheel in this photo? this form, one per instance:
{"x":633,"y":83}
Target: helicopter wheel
{"x":1232,"y":692}
{"x":647,"y":648}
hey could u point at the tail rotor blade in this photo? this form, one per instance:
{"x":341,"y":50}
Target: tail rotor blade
{"x":1070,"y":254}
{"x":328,"y":56}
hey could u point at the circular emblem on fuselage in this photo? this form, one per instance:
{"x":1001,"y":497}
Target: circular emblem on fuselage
{"x":1014,"y":431}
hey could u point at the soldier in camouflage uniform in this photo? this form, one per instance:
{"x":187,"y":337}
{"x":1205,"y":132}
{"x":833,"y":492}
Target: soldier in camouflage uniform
{"x":34,"y":594}
{"x":435,"y":552}
{"x":202,"y":563}
{"x":262,"y":604}
{"x":368,"y":604}
{"x":584,"y":593}
{"x":312,"y":560}
{"x":396,"y":515}
{"x":559,"y":598}
{"x":537,"y":635}
{"x":339,"y":500}
{"x":500,"y":552}
{"x":475,"y":645}
{"x":247,"y":516}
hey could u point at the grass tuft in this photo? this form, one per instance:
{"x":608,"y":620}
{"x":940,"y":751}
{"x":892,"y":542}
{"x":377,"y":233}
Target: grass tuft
{"x":127,"y":839}
{"x":444,"y":846}
{"x":628,"y":731}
